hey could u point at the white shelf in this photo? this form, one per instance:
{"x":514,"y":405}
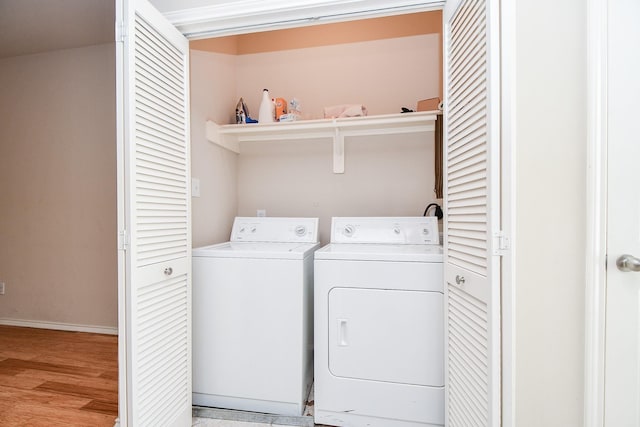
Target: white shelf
{"x":231,"y":136}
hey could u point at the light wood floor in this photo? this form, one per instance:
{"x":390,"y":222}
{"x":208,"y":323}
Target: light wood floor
{"x":57,"y":378}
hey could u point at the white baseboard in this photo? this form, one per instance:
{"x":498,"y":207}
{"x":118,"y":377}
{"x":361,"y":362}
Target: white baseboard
{"x":59,"y":326}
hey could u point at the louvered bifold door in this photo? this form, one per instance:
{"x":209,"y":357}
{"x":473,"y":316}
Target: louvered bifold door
{"x":472,"y":190}
{"x":157,"y":232}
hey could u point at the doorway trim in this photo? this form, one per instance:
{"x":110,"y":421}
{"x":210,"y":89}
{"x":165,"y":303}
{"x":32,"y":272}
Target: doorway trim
{"x":596,"y":197}
{"x":225,"y":18}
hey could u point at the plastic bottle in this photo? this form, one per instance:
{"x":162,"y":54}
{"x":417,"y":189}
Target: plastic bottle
{"x":266,"y":112}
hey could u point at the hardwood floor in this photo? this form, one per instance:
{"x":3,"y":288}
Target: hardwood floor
{"x":57,"y":378}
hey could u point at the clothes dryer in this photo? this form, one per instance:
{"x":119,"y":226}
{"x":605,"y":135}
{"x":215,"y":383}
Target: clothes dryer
{"x":253,"y":317}
{"x":379,"y":326}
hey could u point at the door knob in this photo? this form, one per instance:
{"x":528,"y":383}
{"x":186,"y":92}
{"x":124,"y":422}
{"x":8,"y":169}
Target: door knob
{"x":628,"y":263}
{"x":460,"y":280}
{"x":168,"y":271}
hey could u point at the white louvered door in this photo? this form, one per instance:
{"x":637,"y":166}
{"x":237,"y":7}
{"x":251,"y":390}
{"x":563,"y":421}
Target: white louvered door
{"x":472,"y":200}
{"x":154,"y":219}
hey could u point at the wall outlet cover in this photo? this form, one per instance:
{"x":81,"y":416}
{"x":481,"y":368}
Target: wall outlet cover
{"x":195,"y":187}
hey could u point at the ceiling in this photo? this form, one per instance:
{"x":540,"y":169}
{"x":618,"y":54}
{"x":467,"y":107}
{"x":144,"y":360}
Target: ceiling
{"x":33,"y":26}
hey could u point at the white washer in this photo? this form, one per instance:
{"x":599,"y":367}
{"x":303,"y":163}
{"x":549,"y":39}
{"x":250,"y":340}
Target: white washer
{"x":379,"y":325}
{"x":253,"y":317}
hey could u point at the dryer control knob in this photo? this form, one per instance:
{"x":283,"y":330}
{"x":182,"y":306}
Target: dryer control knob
{"x":396,"y":230}
{"x":348,"y":230}
{"x":253,"y":229}
{"x":301,"y":230}
{"x":425,"y":231}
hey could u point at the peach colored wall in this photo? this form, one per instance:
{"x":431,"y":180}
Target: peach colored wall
{"x":58,"y":255}
{"x":228,"y":45}
{"x":363,"y":30}
{"x":384,"y":75}
{"x":385,"y":175}
{"x":213,"y":91}
{"x":328,"y":35}
{"x":325,"y":34}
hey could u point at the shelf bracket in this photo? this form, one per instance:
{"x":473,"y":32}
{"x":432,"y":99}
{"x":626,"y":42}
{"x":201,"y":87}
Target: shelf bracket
{"x":213,"y":134}
{"x":338,"y":151}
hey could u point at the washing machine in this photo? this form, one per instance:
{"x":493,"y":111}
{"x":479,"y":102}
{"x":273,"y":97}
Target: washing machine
{"x":379,"y":324}
{"x":253,"y":317}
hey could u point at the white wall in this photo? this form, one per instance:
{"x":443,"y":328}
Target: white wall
{"x":550,"y":218}
{"x":58,"y":254}
{"x":213,"y":97}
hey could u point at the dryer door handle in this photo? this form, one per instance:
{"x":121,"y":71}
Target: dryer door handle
{"x":342,"y":333}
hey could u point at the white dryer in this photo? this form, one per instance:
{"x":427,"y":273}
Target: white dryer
{"x":379,"y":325}
{"x":253,"y":317}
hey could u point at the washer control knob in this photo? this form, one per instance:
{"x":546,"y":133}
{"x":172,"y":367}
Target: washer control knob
{"x":425,"y":231}
{"x":300,"y":230}
{"x":396,"y":230}
{"x":253,"y":229}
{"x":348,"y":230}
{"x":242,"y":229}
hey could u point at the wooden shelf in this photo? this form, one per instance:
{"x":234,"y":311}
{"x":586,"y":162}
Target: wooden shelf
{"x":231,"y":136}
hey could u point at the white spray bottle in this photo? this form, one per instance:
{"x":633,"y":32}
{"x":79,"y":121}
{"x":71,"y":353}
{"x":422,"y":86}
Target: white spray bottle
{"x":266,"y":112}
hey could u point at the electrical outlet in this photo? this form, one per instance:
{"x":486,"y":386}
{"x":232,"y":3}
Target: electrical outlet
{"x":1,"y":288}
{"x":261,"y":212}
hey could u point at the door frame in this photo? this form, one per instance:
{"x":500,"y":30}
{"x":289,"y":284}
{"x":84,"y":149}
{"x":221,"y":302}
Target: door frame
{"x":223,"y":18}
{"x":508,"y":183}
{"x":596,"y":209}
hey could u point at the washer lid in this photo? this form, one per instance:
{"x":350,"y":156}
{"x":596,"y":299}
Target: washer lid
{"x":262,"y":250}
{"x":378,"y":252}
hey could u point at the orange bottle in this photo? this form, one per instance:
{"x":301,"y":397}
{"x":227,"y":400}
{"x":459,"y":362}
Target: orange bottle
{"x":281,"y":107}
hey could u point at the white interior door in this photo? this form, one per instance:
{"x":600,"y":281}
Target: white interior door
{"x":472,"y":200}
{"x":154,"y":219}
{"x":622,"y":333}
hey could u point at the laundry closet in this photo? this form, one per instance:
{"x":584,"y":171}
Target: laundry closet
{"x":380,"y":164}
{"x":384,"y":64}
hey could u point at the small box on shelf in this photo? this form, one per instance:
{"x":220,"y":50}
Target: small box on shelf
{"x":430,"y":104}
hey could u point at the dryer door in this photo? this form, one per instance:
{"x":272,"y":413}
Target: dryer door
{"x":387,"y":335}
